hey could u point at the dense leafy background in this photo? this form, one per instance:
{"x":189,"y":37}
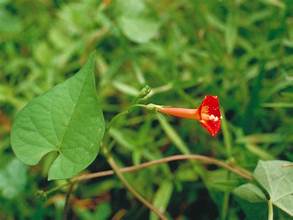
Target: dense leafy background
{"x":238,"y":50}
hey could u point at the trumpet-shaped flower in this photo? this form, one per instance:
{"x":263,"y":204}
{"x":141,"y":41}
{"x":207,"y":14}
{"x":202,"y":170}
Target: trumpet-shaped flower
{"x":208,"y":114}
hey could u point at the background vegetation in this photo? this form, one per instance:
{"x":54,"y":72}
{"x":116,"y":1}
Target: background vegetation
{"x":240,"y":50}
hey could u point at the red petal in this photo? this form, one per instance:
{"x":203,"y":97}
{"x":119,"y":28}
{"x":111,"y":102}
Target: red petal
{"x":210,"y":114}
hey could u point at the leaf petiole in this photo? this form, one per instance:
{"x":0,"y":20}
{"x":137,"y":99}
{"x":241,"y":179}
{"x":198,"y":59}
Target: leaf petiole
{"x":270,"y":210}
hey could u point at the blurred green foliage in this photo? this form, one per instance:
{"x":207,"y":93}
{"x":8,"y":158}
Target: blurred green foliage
{"x":240,"y":50}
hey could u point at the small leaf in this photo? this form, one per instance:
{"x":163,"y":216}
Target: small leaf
{"x":278,"y":105}
{"x":186,"y":173}
{"x":12,"y":179}
{"x":102,"y":212}
{"x":162,"y":197}
{"x":230,"y":33}
{"x":276,"y":177}
{"x":218,"y":180}
{"x":125,"y":89}
{"x":173,"y":135}
{"x":261,"y":138}
{"x":136,"y":20}
{"x":258,"y":151}
{"x":253,"y":211}
{"x":250,"y":192}
{"x":276,"y":3}
{"x":131,"y":7}
{"x":67,"y":119}
{"x":138,"y":29}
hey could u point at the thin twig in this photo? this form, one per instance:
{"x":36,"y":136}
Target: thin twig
{"x":204,"y":159}
{"x":67,"y":201}
{"x":132,"y":190}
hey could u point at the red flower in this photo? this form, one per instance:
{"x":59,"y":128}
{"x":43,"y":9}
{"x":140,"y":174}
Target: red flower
{"x":208,"y":114}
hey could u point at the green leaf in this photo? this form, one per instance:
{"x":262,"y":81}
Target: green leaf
{"x":214,"y":21}
{"x":138,"y":29}
{"x":230,"y":33}
{"x":68,"y":120}
{"x":102,"y":212}
{"x":261,"y":138}
{"x":276,"y":177}
{"x":173,"y":135}
{"x":136,"y":20}
{"x":258,"y":151}
{"x":9,"y":23}
{"x":253,"y":211}
{"x":250,"y":192}
{"x":131,"y":7}
{"x":276,"y":3}
{"x":186,"y":173}
{"x":125,"y":89}
{"x":221,"y":180}
{"x":162,"y":197}
{"x":12,"y":179}
{"x":278,"y":105}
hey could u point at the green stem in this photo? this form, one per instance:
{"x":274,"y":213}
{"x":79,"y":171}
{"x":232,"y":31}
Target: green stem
{"x":270,"y":210}
{"x":225,"y":205}
{"x":46,"y":193}
{"x":227,"y":136}
{"x":132,"y":190}
{"x":229,"y":155}
{"x":119,"y":115}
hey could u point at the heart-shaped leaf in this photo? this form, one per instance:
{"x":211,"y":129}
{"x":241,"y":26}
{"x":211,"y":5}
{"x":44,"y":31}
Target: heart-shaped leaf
{"x":276,"y":177}
{"x":250,"y":192}
{"x":67,"y":119}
